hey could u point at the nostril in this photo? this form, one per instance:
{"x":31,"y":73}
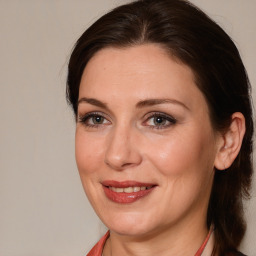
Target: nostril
{"x":126,"y":164}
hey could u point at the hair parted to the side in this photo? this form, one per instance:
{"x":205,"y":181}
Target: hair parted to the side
{"x":191,"y":36}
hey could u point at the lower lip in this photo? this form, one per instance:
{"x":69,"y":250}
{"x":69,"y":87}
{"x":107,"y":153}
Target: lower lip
{"x":125,"y":198}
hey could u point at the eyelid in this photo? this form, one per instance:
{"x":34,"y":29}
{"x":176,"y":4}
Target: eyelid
{"x":158,"y":113}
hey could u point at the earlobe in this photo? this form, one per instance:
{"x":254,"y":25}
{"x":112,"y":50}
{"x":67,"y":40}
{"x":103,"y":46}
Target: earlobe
{"x":230,"y":142}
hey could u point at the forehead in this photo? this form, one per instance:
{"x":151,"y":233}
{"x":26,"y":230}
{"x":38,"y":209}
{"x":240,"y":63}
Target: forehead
{"x":141,"y":60}
{"x":139,"y":72}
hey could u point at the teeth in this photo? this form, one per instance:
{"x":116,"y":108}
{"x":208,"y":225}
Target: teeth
{"x":129,"y":189}
{"x":136,"y":189}
{"x":119,"y":190}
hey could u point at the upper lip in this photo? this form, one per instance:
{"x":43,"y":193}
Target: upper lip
{"x":125,"y":184}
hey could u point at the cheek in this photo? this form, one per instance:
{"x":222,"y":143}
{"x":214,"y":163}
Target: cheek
{"x":88,"y":158}
{"x":185,"y":165}
{"x":88,"y":151}
{"x":182,"y":152}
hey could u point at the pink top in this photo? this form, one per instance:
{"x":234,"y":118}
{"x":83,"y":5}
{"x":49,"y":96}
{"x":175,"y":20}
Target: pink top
{"x":98,"y":248}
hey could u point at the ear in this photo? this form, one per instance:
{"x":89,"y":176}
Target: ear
{"x":230,"y":142}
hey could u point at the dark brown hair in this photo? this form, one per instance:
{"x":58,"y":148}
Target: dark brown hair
{"x":191,"y":36}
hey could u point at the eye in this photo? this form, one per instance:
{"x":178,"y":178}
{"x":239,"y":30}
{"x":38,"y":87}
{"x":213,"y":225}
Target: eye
{"x":160,"y":121}
{"x":94,"y":119}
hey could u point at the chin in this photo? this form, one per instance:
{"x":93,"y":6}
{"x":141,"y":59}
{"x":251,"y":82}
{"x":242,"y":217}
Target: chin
{"x":130,"y":224}
{"x":134,"y":231}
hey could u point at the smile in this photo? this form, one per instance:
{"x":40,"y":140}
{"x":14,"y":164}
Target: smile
{"x":127,"y":191}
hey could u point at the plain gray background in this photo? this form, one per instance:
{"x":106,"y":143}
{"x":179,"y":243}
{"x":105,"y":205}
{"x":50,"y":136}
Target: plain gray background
{"x":43,"y":209}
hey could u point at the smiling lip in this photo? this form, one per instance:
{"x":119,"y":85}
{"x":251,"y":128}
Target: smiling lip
{"x":126,"y":191}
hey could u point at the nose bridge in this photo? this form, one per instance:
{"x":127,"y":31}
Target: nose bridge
{"x":121,"y":150}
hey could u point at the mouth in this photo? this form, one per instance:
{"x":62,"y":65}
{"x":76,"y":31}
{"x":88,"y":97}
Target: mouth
{"x":126,"y":191}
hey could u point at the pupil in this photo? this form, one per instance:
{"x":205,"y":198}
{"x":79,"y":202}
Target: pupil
{"x":98,"y":119}
{"x":159,"y":120}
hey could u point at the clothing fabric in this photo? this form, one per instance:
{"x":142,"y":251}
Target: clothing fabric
{"x":98,"y":248}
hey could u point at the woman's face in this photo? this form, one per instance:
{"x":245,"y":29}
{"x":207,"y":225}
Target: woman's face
{"x":145,"y":147}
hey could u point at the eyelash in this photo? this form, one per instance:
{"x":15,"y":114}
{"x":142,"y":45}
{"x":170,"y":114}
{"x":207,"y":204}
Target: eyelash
{"x":85,"y":119}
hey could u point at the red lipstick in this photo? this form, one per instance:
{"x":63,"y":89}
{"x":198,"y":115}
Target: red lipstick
{"x":126,"y":191}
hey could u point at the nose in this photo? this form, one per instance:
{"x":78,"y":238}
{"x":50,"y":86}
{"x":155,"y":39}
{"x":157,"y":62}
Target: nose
{"x":122,"y":151}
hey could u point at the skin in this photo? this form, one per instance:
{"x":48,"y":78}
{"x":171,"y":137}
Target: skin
{"x":127,"y":144}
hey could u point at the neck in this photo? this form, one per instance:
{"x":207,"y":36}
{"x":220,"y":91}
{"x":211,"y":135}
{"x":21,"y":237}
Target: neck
{"x":178,"y":241}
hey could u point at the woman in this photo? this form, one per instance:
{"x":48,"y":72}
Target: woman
{"x":164,"y":130}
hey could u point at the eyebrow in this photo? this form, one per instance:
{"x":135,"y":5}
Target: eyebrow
{"x":140,"y":104}
{"x":94,"y":102}
{"x":152,"y":102}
